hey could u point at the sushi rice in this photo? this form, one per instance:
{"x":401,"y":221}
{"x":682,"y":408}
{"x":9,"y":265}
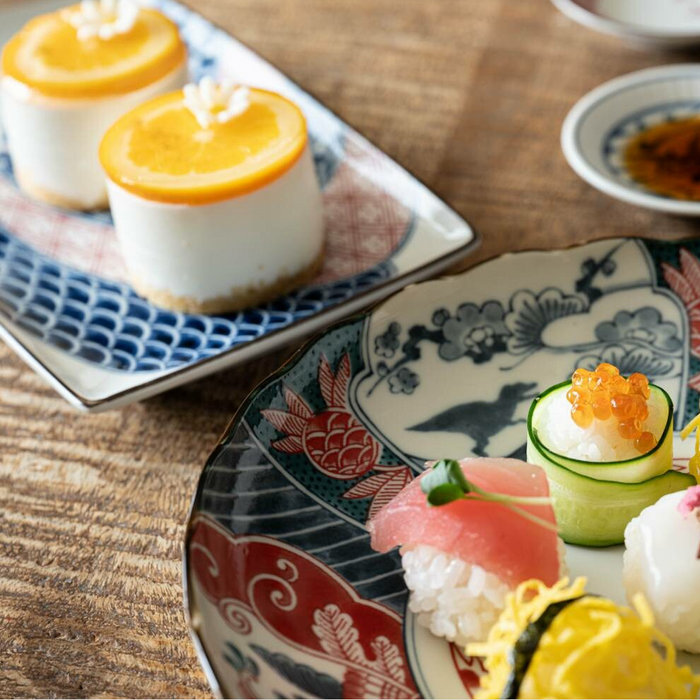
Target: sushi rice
{"x":661,"y":561}
{"x":452,"y":598}
{"x":601,"y":442}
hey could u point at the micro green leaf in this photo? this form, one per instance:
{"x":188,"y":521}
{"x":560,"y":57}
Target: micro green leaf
{"x":445,"y":473}
{"x":442,"y":494}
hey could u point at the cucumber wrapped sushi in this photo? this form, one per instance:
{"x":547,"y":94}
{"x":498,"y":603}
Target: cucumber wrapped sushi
{"x":606,"y":444}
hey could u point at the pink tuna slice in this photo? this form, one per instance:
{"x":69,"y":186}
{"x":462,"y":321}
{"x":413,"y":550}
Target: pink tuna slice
{"x":487,"y":534}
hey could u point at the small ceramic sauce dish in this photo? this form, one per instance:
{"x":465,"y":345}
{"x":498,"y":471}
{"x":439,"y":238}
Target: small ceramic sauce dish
{"x":669,"y":24}
{"x":637,"y":138}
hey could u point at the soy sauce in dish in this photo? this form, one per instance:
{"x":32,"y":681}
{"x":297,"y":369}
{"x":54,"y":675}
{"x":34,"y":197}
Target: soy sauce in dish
{"x":666,"y":158}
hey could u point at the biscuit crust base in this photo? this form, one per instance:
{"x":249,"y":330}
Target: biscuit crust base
{"x":239,"y":297}
{"x":28,"y":186}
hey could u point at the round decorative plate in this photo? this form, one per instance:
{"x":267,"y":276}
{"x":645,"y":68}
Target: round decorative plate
{"x":286,"y":598}
{"x":658,"y":23}
{"x":601,"y":124}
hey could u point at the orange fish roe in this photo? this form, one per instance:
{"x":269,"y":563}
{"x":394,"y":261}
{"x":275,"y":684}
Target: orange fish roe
{"x":645,"y":442}
{"x":605,"y":393}
{"x":602,"y":408}
{"x":583,"y":415}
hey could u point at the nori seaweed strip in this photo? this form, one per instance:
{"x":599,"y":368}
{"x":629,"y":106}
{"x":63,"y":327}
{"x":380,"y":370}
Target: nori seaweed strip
{"x":526,"y":645}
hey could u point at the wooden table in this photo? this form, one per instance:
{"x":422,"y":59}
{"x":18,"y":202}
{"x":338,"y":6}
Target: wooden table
{"x":469,"y":95}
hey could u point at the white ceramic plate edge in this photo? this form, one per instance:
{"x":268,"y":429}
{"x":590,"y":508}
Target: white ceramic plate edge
{"x":672,"y":38}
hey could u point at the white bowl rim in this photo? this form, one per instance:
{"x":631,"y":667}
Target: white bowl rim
{"x":582,"y":166}
{"x":591,"y":19}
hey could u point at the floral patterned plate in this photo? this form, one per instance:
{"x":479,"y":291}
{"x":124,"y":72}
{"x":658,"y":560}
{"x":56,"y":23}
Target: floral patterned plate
{"x":285,"y":595}
{"x":65,"y":305}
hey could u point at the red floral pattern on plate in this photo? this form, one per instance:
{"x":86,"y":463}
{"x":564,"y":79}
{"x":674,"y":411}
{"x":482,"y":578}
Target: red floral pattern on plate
{"x":88,"y":245}
{"x":469,"y":669}
{"x":686,"y":284}
{"x":303,"y":603}
{"x":335,"y":441}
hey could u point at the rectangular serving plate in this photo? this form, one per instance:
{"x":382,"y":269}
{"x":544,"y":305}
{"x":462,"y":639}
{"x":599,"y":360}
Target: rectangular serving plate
{"x":69,"y":313}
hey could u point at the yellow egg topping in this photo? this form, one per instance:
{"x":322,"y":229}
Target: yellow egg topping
{"x":694,"y":464}
{"x":48,"y":56}
{"x":160,"y":152}
{"x":593,"y":648}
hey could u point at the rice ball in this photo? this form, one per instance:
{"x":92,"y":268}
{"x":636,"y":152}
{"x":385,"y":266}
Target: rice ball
{"x":661,"y":561}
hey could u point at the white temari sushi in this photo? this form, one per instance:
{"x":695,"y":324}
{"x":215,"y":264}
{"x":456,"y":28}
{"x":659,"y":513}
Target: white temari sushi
{"x":662,"y":561}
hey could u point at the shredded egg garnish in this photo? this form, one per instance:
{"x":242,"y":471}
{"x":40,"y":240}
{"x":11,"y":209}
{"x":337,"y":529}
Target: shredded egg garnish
{"x":694,"y":464}
{"x":592,"y":648}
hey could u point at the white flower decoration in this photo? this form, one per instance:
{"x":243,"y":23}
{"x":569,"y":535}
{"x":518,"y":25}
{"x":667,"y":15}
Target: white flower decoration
{"x":104,"y":18}
{"x":211,"y":102}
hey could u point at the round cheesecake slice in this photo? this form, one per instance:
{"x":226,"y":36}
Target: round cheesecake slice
{"x":214,"y":198}
{"x":66,"y":77}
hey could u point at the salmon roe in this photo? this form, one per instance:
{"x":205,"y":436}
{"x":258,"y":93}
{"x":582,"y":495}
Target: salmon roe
{"x":604,"y":394}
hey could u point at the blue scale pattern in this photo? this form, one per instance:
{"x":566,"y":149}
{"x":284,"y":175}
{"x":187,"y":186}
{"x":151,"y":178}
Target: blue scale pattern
{"x":106,"y":323}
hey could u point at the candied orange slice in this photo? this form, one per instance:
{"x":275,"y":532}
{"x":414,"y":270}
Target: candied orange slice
{"x":47,"y":56}
{"x":159,"y":151}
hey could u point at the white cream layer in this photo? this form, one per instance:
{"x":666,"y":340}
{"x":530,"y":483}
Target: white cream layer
{"x":207,"y":251}
{"x":53,"y":142}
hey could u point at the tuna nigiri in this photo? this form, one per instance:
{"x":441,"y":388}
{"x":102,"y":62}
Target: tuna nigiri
{"x":462,"y":558}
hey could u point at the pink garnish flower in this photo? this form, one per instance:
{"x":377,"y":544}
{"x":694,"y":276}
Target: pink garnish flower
{"x":690,"y":502}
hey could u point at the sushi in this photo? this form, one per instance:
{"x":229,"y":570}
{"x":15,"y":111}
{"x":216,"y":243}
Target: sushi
{"x":559,"y":642}
{"x":606,"y":444}
{"x":603,"y":417}
{"x":469,"y":533}
{"x":662,"y":561}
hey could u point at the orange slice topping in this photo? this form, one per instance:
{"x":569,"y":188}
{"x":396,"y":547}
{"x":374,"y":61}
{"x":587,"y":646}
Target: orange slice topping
{"x":48,"y":56}
{"x":159,"y":151}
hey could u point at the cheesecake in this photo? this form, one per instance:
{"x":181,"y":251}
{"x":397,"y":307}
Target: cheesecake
{"x":214,"y":197}
{"x":66,"y":76}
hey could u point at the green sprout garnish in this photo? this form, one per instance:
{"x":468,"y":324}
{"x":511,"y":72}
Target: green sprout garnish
{"x":446,"y":483}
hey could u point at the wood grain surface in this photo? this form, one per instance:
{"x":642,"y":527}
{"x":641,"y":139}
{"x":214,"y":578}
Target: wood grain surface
{"x":467,"y":94}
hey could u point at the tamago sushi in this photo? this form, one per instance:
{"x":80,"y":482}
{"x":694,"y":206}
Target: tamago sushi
{"x":560,"y":642}
{"x":469,"y":533}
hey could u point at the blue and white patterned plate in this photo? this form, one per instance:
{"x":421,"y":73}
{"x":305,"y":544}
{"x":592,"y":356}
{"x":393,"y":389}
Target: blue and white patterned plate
{"x":286,"y":597}
{"x":66,"y":307}
{"x":600,"y":125}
